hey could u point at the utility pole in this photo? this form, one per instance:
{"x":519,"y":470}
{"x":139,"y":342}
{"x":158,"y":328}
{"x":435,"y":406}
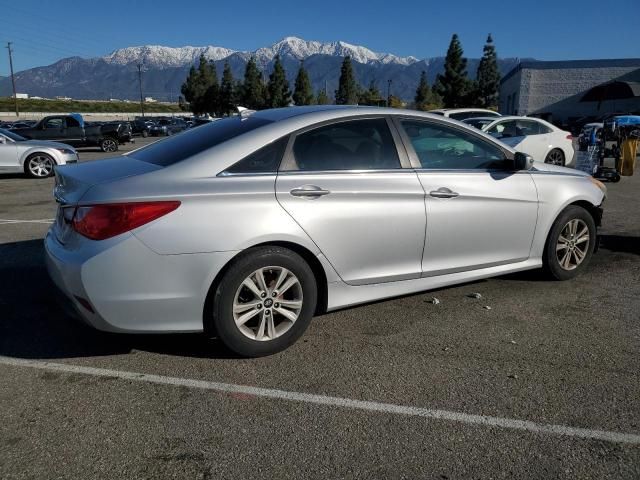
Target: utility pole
{"x":13,"y":80}
{"x":389,"y":82}
{"x":140,"y":83}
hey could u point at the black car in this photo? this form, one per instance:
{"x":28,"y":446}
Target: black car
{"x":141,"y":126}
{"x":166,"y":126}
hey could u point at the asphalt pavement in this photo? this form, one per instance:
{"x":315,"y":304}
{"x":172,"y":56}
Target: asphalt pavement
{"x":543,"y":384}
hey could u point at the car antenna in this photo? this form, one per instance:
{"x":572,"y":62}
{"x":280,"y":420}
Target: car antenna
{"x":244,"y":112}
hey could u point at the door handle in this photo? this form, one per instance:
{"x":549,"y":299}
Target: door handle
{"x":443,"y":192}
{"x":309,"y":191}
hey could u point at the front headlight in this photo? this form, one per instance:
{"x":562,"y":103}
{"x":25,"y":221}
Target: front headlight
{"x":66,"y":151}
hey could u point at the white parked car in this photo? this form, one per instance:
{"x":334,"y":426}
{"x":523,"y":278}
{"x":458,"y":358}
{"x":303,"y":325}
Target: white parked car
{"x":533,"y":136}
{"x":36,"y":158}
{"x":464,"y":113}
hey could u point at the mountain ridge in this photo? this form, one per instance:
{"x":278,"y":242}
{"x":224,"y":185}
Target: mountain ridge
{"x":115,"y":75}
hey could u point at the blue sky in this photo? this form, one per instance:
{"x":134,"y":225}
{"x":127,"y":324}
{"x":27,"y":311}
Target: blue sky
{"x":45,"y":31}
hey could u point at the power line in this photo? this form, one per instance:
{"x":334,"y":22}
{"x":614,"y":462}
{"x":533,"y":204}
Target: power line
{"x":140,"y":83}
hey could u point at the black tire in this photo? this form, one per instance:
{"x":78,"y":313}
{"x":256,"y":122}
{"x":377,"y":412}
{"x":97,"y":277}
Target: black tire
{"x":42,"y":159}
{"x":224,"y":296}
{"x":555,"y":157}
{"x":551,"y":260}
{"x":109,"y":145}
{"x":145,"y":134}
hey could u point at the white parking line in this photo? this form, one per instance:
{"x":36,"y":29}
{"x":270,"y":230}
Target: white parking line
{"x":459,"y":417}
{"x":7,"y":221}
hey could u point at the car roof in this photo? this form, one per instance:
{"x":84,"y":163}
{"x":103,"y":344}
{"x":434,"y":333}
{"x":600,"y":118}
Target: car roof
{"x":284,"y":121}
{"x":493,"y":119}
{"x":464,"y":110}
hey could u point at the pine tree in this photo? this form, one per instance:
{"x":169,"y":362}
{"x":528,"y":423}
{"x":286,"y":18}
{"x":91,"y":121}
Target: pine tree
{"x":226,"y":102}
{"x":199,"y":85}
{"x":453,"y":85}
{"x":322,"y":98}
{"x":370,"y":96}
{"x":303,"y":94}
{"x":347,"y":92}
{"x":488,"y":75}
{"x":423,"y":93}
{"x":279,"y":93}
{"x":252,"y":95}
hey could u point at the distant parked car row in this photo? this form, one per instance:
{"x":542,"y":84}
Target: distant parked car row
{"x":165,"y":126}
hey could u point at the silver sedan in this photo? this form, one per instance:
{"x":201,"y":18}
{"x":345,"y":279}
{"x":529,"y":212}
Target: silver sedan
{"x":248,"y":227}
{"x":36,"y":158}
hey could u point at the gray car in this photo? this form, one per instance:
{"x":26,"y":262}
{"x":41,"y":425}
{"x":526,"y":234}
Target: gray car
{"x":36,"y":158}
{"x":247,"y":227}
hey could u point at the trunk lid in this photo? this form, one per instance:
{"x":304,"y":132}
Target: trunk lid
{"x":73,"y":181}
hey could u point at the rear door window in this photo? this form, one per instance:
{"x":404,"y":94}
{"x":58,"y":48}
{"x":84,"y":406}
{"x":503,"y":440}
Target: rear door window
{"x":364,"y":144}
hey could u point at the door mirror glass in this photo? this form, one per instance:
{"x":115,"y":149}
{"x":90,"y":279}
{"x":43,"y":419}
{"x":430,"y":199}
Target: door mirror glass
{"x":522,"y":161}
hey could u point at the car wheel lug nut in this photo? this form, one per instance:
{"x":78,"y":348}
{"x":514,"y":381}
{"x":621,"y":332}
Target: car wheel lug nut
{"x":262,"y":295}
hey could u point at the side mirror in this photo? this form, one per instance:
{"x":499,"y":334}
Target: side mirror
{"x":522,"y":161}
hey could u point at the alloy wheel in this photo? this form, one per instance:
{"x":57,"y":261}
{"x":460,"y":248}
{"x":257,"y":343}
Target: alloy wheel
{"x":573,"y":244}
{"x":109,"y":146}
{"x":555,"y":157}
{"x":267,"y":303}
{"x":40,"y":166}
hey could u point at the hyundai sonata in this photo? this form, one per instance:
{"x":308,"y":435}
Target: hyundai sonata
{"x":247,"y":227}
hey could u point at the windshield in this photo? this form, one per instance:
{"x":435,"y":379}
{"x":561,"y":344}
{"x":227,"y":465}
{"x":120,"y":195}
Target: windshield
{"x":191,"y":142}
{"x":11,"y":135}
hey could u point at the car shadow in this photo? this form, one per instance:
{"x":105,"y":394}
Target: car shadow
{"x":33,"y":326}
{"x":619,"y":243}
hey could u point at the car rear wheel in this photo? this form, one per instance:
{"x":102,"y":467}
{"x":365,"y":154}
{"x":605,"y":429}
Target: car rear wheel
{"x":555,"y":157}
{"x":145,"y":134}
{"x":570,"y":243}
{"x":109,"y":145}
{"x":264,"y":302}
{"x":39,"y":165}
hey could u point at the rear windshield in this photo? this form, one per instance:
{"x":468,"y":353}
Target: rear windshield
{"x":196,"y":140}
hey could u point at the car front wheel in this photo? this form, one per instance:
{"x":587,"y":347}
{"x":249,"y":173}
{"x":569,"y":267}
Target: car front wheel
{"x":39,"y":165}
{"x":264,"y":302}
{"x":570,"y":243}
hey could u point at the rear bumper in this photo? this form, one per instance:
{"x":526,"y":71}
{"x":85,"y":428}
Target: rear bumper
{"x":129,"y":287}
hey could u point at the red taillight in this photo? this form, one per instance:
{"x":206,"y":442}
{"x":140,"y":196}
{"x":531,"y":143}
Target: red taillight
{"x":569,"y":137}
{"x":99,"y":222}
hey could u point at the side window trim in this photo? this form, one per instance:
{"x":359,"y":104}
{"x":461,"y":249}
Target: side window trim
{"x":413,"y":156}
{"x":288,"y":163}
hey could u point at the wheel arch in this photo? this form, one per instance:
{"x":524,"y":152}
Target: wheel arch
{"x":594,"y":210}
{"x":35,"y":151}
{"x":308,"y":256}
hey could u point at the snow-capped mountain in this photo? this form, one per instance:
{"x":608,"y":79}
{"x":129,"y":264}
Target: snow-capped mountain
{"x":165,"y":69}
{"x":165,"y":57}
{"x":160,"y":56}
